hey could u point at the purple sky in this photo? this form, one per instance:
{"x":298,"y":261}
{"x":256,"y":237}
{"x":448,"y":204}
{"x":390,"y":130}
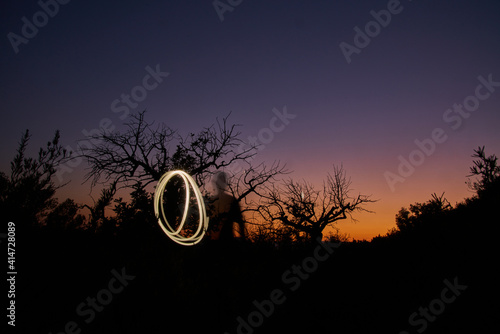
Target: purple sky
{"x":266,"y":55}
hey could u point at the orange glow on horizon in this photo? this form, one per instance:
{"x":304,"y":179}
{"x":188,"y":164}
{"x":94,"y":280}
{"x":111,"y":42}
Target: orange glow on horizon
{"x":368,"y":225}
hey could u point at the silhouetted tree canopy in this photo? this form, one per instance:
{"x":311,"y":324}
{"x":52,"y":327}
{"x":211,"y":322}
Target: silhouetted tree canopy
{"x":97,"y":218}
{"x":65,"y":216}
{"x":487,"y":169}
{"x":28,"y":192}
{"x":135,"y":217}
{"x":428,"y":217}
{"x":420,"y":213}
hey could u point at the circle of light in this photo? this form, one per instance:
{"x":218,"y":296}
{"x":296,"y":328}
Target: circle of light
{"x":172,"y":233}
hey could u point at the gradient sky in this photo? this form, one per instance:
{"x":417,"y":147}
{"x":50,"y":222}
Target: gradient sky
{"x":265,"y":55}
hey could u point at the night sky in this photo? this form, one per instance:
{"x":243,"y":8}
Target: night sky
{"x":356,"y":93}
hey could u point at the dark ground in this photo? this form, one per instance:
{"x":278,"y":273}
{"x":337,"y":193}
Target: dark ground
{"x":364,"y":287}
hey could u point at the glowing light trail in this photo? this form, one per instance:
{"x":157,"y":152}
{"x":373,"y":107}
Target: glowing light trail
{"x":169,"y":230}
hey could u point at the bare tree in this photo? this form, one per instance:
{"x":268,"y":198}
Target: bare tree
{"x":254,"y":181}
{"x":144,"y":152}
{"x":310,"y":211}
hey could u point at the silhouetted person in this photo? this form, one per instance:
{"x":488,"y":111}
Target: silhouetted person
{"x":227,"y":219}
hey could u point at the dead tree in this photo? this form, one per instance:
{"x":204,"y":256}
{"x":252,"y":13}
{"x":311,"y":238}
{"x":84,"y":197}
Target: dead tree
{"x":144,"y":152}
{"x":300,"y":206}
{"x":249,"y":185}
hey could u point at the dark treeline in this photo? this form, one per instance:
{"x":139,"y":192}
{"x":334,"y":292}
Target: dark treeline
{"x":67,"y":254}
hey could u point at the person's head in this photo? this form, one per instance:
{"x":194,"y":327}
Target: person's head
{"x":220,"y":181}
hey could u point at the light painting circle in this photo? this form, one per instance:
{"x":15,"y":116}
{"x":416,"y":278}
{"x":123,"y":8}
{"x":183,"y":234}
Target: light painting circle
{"x":170,"y":231}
